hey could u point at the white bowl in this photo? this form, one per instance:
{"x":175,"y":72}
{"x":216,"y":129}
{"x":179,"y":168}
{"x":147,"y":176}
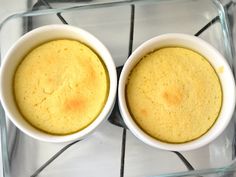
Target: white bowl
{"x":217,"y":61}
{"x":22,"y":47}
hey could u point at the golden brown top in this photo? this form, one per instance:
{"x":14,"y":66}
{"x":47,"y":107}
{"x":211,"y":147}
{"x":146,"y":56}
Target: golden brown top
{"x":174,"y":94}
{"x":61,"y":86}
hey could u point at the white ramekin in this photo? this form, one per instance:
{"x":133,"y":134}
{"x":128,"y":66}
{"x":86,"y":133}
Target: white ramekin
{"x":216,"y":60}
{"x":27,"y":43}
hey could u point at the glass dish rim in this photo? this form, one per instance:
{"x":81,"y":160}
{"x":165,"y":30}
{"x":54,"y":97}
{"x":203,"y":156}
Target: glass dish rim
{"x":224,"y":21}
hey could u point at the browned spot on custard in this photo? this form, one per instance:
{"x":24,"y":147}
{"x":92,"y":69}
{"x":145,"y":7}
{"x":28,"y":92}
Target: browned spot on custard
{"x":173,"y":96}
{"x":144,"y":112}
{"x":50,"y":80}
{"x":74,"y":104}
{"x":49,"y":61}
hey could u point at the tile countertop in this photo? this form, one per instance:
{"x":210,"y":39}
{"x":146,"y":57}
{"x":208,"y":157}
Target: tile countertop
{"x":10,"y":7}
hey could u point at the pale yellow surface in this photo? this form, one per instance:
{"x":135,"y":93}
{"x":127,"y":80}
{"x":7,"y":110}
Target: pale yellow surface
{"x":61,"y":86}
{"x":174,"y":94}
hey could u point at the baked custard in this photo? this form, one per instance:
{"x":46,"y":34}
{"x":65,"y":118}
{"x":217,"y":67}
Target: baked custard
{"x":174,"y":94}
{"x":61,"y":86}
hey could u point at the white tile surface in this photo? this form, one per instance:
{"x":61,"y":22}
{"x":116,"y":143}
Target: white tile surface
{"x":108,"y":139}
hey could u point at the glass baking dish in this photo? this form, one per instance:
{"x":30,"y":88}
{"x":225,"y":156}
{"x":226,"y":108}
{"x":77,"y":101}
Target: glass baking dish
{"x":112,"y":150}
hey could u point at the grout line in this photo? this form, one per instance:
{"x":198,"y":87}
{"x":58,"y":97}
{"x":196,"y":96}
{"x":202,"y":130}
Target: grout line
{"x":131,"y":36}
{"x":29,"y":20}
{"x":122,"y":166}
{"x":58,"y":14}
{"x":52,"y":159}
{"x":62,"y":19}
{"x":214,"y":20}
{"x":184,"y":160}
